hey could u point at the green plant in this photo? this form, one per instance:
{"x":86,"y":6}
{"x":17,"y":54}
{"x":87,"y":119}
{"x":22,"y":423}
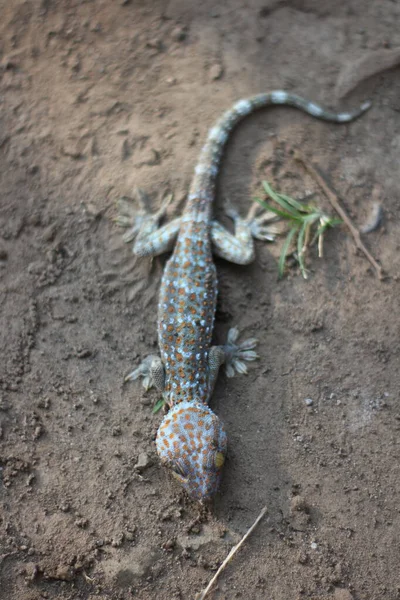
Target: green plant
{"x":307,"y":225}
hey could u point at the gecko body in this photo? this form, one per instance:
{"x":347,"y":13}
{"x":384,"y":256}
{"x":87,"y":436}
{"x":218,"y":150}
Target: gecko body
{"x":191,"y":439}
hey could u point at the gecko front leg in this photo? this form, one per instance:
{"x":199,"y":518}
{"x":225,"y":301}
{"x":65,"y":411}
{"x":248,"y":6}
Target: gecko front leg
{"x":152,"y":371}
{"x":234,"y":356}
{"x":143,"y":226}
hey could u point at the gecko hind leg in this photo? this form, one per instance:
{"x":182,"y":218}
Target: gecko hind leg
{"x":239,"y":248}
{"x":152,"y":371}
{"x":143,"y":226}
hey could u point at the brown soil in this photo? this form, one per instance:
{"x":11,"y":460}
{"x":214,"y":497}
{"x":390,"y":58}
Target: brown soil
{"x":100,"y":96}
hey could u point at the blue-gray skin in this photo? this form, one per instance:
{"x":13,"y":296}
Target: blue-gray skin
{"x":191,"y":439}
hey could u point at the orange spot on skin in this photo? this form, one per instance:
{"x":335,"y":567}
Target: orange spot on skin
{"x":170,"y":309}
{"x":189,"y":427}
{"x":179,"y":356}
{"x":166,"y":443}
{"x":170,"y":328}
{"x":200,"y":423}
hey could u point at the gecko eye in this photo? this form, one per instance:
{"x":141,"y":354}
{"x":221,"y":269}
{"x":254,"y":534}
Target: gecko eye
{"x":219,"y":460}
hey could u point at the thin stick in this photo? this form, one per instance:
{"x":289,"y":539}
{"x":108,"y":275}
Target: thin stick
{"x":233,"y":551}
{"x":334,"y":200}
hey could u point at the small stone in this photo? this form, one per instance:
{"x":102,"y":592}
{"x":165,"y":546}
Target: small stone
{"x":298,"y":503}
{"x":64,"y":573}
{"x":179,"y":34}
{"x":31,"y":571}
{"x":38,"y":432}
{"x":50,"y":233}
{"x":308,"y":401}
{"x":216,"y":72}
{"x":71,"y":148}
{"x":83,"y":353}
{"x":143,"y":462}
{"x":314,"y":546}
{"x":169,"y":545}
{"x":117,"y":541}
{"x":129,"y":535}
{"x":82,"y":523}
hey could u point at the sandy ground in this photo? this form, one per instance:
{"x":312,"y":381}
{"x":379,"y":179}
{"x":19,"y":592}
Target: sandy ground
{"x":98,"y":97}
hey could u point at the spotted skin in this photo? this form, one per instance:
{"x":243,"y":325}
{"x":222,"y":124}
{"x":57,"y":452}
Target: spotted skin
{"x":191,"y":439}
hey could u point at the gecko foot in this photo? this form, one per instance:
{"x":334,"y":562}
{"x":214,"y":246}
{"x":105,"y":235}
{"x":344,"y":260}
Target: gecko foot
{"x":263,"y":227}
{"x":236,"y":355}
{"x":139,"y":220}
{"x":152,"y":371}
{"x":256,"y":224}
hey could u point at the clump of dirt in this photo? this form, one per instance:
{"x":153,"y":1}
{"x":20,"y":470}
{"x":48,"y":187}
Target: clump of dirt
{"x":100,"y":97}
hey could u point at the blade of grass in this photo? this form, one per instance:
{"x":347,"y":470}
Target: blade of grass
{"x":300,"y":249}
{"x":158,"y":406}
{"x":285,"y":250}
{"x":297,"y":205}
{"x":279,"y":199}
{"x":277,"y":211}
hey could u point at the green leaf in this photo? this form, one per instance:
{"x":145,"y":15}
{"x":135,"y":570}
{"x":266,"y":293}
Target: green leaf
{"x":277,"y":211}
{"x":158,"y":406}
{"x":300,"y":245}
{"x":297,"y":205}
{"x":280,"y":200}
{"x":285,"y":250}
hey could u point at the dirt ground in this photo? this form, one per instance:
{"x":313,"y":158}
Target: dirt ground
{"x":98,"y":97}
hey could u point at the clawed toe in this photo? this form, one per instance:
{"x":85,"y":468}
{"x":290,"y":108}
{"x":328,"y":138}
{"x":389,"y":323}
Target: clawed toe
{"x":236,"y":355}
{"x":145,"y":370}
{"x":264,"y":233}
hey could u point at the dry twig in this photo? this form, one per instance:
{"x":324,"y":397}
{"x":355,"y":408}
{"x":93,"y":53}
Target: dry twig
{"x":233,"y":551}
{"x":334,"y":200}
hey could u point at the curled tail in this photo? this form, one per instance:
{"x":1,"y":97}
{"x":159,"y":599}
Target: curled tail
{"x":202,"y":188}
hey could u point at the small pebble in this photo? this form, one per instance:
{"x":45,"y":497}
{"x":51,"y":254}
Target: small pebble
{"x":179,"y":34}
{"x":308,"y":401}
{"x":314,"y":546}
{"x":143,"y":462}
{"x":216,"y":72}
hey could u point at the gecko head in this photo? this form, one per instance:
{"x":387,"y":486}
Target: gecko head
{"x":191,"y":441}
